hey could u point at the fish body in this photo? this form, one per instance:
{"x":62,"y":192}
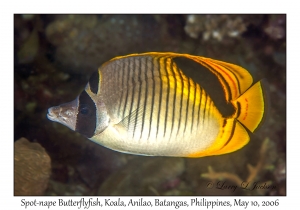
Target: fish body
{"x":144,"y":104}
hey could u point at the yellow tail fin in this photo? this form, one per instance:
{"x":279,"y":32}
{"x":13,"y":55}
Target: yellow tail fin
{"x":250,"y":107}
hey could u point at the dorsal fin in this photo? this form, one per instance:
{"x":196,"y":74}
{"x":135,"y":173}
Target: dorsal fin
{"x":234,"y":79}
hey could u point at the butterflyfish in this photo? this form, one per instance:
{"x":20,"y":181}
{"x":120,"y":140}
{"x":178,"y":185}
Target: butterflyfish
{"x":144,"y":104}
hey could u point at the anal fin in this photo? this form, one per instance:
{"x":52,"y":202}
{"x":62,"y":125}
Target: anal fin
{"x":240,"y":138}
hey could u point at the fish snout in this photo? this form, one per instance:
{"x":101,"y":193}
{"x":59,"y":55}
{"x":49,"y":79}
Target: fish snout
{"x":53,"y":113}
{"x":65,"y":114}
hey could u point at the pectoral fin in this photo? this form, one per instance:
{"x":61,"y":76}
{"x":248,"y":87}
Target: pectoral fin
{"x":129,"y":125}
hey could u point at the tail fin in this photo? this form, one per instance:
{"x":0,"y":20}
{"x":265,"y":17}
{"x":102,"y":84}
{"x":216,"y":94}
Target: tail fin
{"x":250,"y":107}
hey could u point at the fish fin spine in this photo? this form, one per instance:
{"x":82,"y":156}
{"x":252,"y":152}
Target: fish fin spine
{"x":250,"y":107}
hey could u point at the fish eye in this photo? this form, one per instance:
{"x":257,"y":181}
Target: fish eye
{"x":84,"y":109}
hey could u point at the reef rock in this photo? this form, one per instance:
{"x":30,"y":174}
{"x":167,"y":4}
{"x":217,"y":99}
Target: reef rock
{"x":84,"y":42}
{"x":32,"y":168}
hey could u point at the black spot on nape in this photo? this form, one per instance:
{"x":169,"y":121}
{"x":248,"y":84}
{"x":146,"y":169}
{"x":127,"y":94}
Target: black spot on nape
{"x":86,"y":117}
{"x":94,"y":82}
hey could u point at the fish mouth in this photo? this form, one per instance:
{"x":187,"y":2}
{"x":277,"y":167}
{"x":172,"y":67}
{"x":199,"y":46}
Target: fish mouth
{"x":64,"y":114}
{"x":51,"y":115}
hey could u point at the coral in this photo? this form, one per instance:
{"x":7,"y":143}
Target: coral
{"x":253,"y":170}
{"x":214,"y":26}
{"x":29,"y":49}
{"x":275,"y":28}
{"x":84,"y":42}
{"x":280,"y":171}
{"x":32,"y":167}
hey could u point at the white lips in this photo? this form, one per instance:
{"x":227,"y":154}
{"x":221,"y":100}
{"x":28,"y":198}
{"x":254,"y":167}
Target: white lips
{"x":51,"y":115}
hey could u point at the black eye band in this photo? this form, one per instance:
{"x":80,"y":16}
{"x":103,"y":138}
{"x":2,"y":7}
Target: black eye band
{"x":86,"y":117}
{"x":84,"y":109}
